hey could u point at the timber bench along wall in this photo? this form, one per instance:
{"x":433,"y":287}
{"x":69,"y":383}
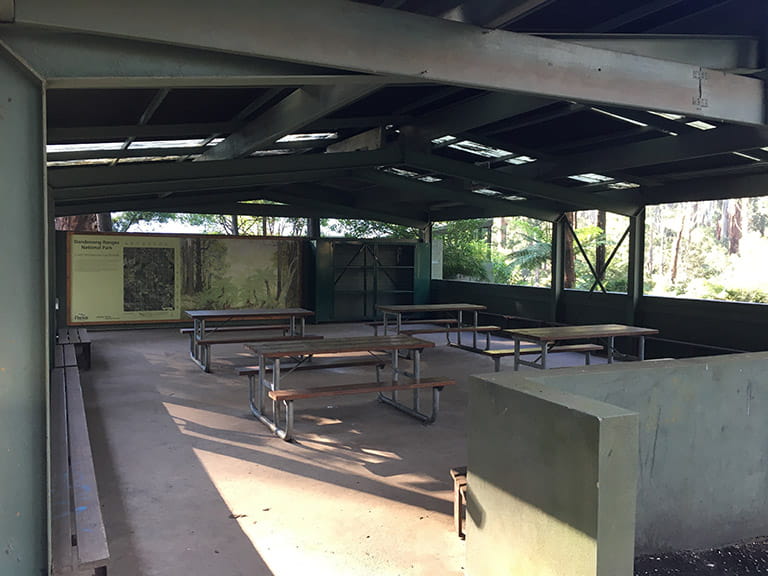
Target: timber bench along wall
{"x":78,"y":537}
{"x":81,"y":341}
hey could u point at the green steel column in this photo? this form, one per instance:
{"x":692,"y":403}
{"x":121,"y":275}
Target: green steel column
{"x":558,"y":270}
{"x":23,"y":322}
{"x":636,"y":266}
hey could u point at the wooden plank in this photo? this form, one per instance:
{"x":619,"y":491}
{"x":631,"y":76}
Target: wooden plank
{"x":537,"y":349}
{"x":320,"y":364}
{"x":338,"y":345}
{"x":63,"y":336}
{"x":82,"y":336}
{"x":422,"y":321}
{"x":406,"y":308}
{"x":238,"y":328}
{"x":250,"y":314}
{"x":64,"y":355}
{"x":451,"y":330}
{"x":555,"y":333}
{"x":92,"y":549}
{"x":246,"y":339}
{"x":70,"y":355}
{"x":58,"y":356}
{"x":360,"y":388}
{"x":61,"y":505}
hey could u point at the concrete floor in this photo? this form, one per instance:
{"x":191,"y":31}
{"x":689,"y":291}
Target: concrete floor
{"x":192,"y":484}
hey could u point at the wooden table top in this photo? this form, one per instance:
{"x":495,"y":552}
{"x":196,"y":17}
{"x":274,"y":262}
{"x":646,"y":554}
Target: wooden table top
{"x":399,"y":308}
{"x":249,"y":313}
{"x":557,"y":333}
{"x":338,"y":345}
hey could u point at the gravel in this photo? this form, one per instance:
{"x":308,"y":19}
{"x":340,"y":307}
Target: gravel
{"x":743,"y":559}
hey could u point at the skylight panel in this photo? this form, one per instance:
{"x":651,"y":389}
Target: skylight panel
{"x":520,"y":160}
{"x":513,"y":198}
{"x":444,"y":139}
{"x":701,"y":125}
{"x":401,"y":172}
{"x":480,"y":149}
{"x":667,"y":115}
{"x":88,"y":162}
{"x":623,"y":185}
{"x":215,"y":142}
{"x":619,"y":117}
{"x":591,"y":178}
{"x":309,"y":137}
{"x":487,"y":192}
{"x":83,"y":147}
{"x":428,"y":178}
{"x":756,"y":159}
{"x":147,"y":144}
{"x":273,"y":152}
{"x":135,"y":159}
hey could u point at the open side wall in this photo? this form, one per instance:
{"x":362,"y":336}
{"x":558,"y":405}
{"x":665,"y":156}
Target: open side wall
{"x":686,"y":327}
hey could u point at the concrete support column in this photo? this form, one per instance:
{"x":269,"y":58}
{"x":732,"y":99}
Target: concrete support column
{"x":24,"y":320}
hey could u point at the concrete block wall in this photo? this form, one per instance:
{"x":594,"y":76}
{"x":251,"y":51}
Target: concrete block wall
{"x":703,"y":450}
{"x":551,"y":482}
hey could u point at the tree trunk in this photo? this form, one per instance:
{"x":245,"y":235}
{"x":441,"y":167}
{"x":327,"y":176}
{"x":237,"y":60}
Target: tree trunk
{"x":570,"y":258}
{"x":673,"y":276}
{"x":79,"y":223}
{"x":104,"y":220}
{"x":734,"y":227}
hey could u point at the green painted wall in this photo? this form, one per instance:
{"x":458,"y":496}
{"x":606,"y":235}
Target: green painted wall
{"x":551,"y":481}
{"x":23,"y":317}
{"x":703,"y":444}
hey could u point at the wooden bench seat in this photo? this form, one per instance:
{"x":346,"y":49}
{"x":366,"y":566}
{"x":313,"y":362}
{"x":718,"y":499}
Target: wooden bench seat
{"x":321,"y":363}
{"x":238,"y":328}
{"x":439,"y":321}
{"x":206,"y":343}
{"x":474,"y":330}
{"x":287,"y":397}
{"x":450,"y":330}
{"x":79,"y":337}
{"x":497,"y":355}
{"x":245,"y":339}
{"x":64,"y":355}
{"x":78,"y":538}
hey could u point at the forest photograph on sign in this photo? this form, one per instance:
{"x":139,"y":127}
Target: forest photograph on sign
{"x":222,"y":273}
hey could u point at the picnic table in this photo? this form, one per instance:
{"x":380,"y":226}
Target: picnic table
{"x":549,"y":337}
{"x":272,"y":354}
{"x":393,"y":321}
{"x":206,"y":323}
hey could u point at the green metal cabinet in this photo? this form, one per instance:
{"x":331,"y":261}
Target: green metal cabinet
{"x":353,"y":276}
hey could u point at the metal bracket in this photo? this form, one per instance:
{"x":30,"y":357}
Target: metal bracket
{"x":700,"y":102}
{"x":701,"y":74}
